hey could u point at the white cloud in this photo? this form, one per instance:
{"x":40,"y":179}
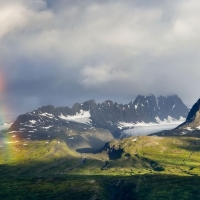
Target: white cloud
{"x":101,"y":75}
{"x":137,"y":46}
{"x":11,"y":19}
{"x":107,"y":29}
{"x":17,"y":16}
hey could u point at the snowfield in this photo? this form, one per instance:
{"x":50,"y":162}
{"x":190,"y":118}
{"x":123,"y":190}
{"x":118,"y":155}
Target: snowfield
{"x":82,"y":117}
{"x":145,"y":129}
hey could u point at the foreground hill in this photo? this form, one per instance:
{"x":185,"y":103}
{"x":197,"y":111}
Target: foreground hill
{"x":132,"y":168}
{"x":88,"y":126}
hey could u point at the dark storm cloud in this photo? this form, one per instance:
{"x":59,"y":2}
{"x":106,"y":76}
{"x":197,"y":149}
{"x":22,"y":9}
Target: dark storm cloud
{"x":64,"y":51}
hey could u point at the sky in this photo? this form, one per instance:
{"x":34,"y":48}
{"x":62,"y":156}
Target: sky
{"x":60,"y":52}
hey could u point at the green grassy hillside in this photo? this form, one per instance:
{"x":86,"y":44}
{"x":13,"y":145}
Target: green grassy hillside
{"x":132,"y":168}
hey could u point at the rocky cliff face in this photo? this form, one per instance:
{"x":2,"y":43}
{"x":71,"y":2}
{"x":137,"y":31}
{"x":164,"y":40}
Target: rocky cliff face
{"x":152,"y":109}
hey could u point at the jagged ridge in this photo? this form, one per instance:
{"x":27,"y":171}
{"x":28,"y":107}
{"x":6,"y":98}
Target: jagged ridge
{"x":106,"y":115}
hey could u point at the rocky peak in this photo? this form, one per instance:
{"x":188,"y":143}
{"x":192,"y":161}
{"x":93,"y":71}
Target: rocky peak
{"x":193,"y":118}
{"x":194,"y":112}
{"x":46,"y":109}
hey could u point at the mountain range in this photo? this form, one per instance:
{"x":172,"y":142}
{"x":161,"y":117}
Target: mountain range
{"x":89,"y":125}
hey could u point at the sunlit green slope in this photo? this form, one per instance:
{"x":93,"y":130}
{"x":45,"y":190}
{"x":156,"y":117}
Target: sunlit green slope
{"x":132,"y":168}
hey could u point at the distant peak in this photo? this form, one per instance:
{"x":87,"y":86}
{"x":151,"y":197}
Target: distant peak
{"x":46,"y":108}
{"x":91,"y":101}
{"x":108,"y":102}
{"x":143,"y":97}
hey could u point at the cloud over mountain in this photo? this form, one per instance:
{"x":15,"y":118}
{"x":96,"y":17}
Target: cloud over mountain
{"x":53,"y":52}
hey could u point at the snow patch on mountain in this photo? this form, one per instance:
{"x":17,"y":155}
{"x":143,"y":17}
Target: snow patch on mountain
{"x":189,"y":128}
{"x":81,"y":117}
{"x":46,"y":127}
{"x":142,"y":128}
{"x":33,"y":121}
{"x":148,"y":129}
{"x":47,"y":115}
{"x":122,"y":125}
{"x":168,"y":121}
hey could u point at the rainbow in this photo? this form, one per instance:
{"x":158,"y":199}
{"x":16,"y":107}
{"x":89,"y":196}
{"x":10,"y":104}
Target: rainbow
{"x":2,"y":88}
{"x":4,"y":111}
{"x":8,"y":141}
